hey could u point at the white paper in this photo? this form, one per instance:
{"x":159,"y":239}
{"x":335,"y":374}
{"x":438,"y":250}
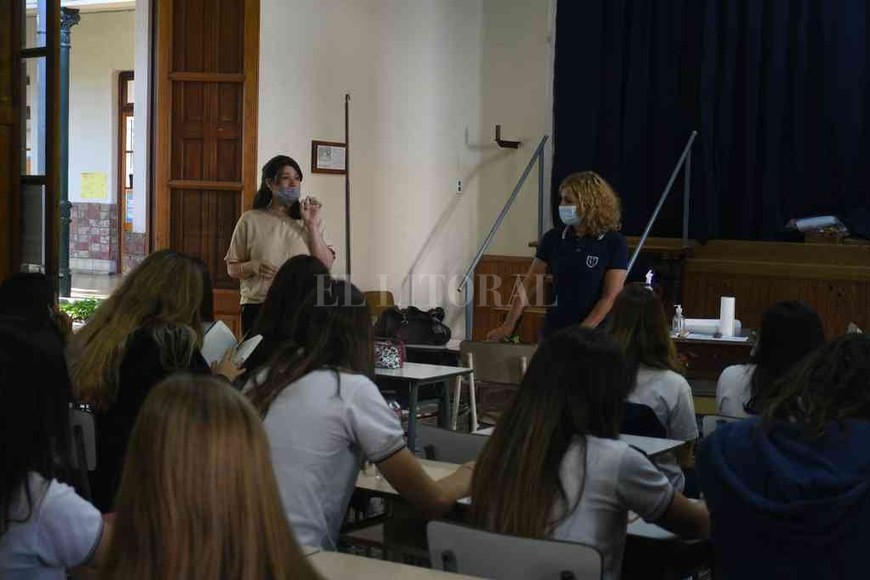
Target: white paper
{"x":246,"y":348}
{"x":218,"y":338}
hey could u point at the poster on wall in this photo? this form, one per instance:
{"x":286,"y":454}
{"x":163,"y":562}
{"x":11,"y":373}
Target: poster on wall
{"x":328,"y":157}
{"x":94,"y":185}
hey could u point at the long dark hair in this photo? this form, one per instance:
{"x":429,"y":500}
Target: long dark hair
{"x":271,"y":172}
{"x":575,"y":385}
{"x":333,"y":330}
{"x":294,"y":281}
{"x":206,"y":309}
{"x":639,"y":326}
{"x":27,"y":302}
{"x":789,"y":331}
{"x":35,"y":394}
{"x":828,"y":386}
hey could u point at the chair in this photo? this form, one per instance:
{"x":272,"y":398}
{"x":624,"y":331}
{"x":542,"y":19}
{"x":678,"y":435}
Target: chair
{"x":378,"y":301}
{"x":449,"y":446}
{"x":492,"y":362}
{"x":710,"y":423}
{"x":641,"y":420}
{"x":465,"y":550}
{"x":83,"y":453}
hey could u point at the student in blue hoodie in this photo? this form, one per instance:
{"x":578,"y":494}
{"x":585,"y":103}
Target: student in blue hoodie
{"x":789,"y":492}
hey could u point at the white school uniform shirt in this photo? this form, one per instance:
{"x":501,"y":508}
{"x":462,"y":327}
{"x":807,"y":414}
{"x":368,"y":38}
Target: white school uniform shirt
{"x":320,"y":429}
{"x":733,"y":390}
{"x":618,"y":479}
{"x":669,"y":395}
{"x":62,"y":531}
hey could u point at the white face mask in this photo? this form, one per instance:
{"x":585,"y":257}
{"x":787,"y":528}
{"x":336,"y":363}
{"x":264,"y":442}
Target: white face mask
{"x":568,"y":215}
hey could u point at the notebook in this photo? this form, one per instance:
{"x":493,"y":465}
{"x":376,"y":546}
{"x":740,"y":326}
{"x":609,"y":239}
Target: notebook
{"x":219,"y":338}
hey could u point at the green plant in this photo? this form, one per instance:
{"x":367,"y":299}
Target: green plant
{"x":80,"y":310}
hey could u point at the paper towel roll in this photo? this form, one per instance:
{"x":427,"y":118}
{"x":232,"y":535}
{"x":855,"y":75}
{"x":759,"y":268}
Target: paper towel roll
{"x":726,"y":316}
{"x":708,"y":326}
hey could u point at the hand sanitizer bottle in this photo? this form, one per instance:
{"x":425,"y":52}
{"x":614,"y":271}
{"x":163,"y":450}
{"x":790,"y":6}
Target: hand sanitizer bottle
{"x":678,"y":327}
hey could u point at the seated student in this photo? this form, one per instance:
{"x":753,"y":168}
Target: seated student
{"x":149,"y":328}
{"x":789,"y":331}
{"x":639,"y":326}
{"x":295,"y":279}
{"x":324,"y":416}
{"x":554,"y":466}
{"x":45,"y":527}
{"x":198,"y":498}
{"x":789,"y":492}
{"x":27,"y":302}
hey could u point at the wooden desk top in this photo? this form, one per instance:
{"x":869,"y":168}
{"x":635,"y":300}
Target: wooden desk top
{"x":339,"y":566}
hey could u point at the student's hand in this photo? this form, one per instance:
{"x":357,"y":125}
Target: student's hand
{"x":500,"y":333}
{"x":310,"y":211}
{"x":63,"y":321}
{"x":261,"y":268}
{"x":227,"y":366}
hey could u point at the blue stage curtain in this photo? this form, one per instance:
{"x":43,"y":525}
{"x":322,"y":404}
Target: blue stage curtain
{"x":779,"y":91}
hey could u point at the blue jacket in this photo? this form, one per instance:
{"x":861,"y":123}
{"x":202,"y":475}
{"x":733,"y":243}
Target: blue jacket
{"x":786,"y":506}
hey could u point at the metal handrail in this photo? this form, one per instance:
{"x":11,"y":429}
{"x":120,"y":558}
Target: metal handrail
{"x":537,"y":157}
{"x":684,"y":158}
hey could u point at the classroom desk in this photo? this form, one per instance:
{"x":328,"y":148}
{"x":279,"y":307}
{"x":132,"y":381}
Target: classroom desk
{"x":451,"y":347}
{"x":309,"y":550}
{"x":370,"y":481}
{"x":335,"y":565}
{"x":415,"y":375}
{"x":651,"y":446}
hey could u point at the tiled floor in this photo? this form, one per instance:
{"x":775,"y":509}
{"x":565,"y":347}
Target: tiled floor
{"x":94,"y":285}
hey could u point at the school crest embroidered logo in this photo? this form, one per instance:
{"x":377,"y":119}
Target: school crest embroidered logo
{"x":591,"y":261}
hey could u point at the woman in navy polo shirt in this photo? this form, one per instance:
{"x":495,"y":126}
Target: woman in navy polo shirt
{"x":587,"y":258}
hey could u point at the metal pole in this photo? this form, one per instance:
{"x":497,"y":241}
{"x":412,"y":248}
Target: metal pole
{"x":503,"y":214}
{"x":687,"y":181}
{"x":347,"y":184}
{"x":661,"y":202}
{"x":541,"y":204}
{"x":469,"y":311}
{"x":69,"y":17}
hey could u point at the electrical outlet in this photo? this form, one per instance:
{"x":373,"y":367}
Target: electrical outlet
{"x":459,"y":186}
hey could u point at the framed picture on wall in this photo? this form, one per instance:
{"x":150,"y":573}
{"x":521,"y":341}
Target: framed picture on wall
{"x":328,"y":157}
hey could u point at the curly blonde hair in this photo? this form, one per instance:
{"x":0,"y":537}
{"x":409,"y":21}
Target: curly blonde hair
{"x":597,"y":203}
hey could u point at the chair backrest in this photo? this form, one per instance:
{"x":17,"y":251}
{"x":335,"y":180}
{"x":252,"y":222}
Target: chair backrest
{"x":641,"y":420}
{"x":497,"y":362}
{"x":83,"y":437}
{"x":474,"y":552}
{"x":710,"y":423}
{"x":449,"y":446}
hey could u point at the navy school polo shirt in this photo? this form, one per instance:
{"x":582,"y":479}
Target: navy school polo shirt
{"x":578,"y":265}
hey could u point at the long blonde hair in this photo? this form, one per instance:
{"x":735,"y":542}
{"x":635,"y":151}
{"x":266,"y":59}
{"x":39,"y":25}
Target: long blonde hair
{"x":166,"y":288}
{"x":198,"y":497}
{"x":597,"y":204}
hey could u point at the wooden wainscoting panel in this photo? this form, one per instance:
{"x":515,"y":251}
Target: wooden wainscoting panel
{"x":202,"y":226}
{"x":226,"y":308}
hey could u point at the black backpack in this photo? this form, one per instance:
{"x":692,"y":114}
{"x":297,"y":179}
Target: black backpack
{"x":413,"y":326}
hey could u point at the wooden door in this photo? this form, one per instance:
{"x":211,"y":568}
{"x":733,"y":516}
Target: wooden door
{"x":29,"y":193}
{"x":206,"y":132}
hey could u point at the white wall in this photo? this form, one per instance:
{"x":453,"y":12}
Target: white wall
{"x":102,"y":45}
{"x":413,"y":68}
{"x":517,"y":94}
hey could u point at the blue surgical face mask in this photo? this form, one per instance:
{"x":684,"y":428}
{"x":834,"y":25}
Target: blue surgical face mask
{"x":287,"y":195}
{"x":568,"y":215}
